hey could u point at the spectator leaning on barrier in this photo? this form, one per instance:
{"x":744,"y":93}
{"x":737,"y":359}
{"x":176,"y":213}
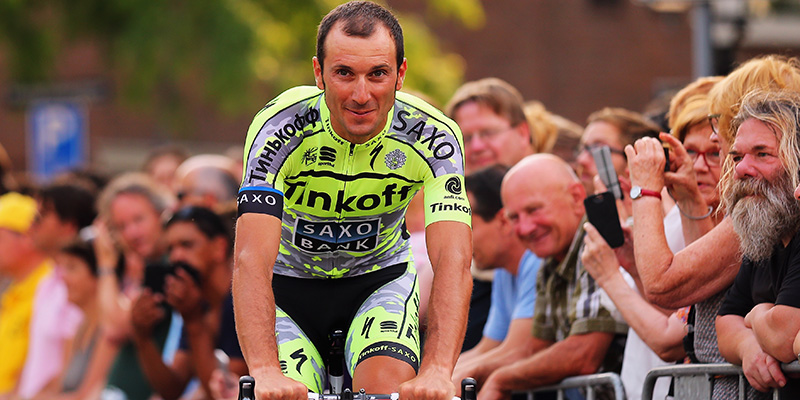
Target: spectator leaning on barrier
{"x":585,"y":337}
{"x":496,"y":246}
{"x":657,"y":337}
{"x":760,"y":316}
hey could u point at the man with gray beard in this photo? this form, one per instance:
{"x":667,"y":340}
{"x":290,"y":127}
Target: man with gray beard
{"x":760,"y":316}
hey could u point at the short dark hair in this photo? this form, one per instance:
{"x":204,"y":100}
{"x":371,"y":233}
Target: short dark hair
{"x":359,"y":19}
{"x":484,"y":185}
{"x":84,"y":250}
{"x":207,"y":222}
{"x":71,"y":202}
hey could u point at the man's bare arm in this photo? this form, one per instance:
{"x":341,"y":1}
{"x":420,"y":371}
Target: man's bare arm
{"x":255,"y":251}
{"x":576,"y":355}
{"x":702,"y":269}
{"x":775,"y":328}
{"x":450,"y":251}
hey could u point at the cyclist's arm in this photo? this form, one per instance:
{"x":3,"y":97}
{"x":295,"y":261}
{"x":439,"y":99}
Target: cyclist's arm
{"x":256,"y":248}
{"x":450,"y":251}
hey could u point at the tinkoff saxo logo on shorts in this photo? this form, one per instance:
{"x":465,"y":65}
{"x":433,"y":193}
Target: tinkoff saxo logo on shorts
{"x":330,"y":236}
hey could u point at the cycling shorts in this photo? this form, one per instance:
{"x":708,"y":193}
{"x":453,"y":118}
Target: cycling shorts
{"x":379,"y":311}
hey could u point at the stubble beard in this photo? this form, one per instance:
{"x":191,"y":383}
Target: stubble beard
{"x":763,"y":214}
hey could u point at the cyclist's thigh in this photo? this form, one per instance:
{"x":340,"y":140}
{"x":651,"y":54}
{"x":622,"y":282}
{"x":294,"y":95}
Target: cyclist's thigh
{"x":387,"y":323}
{"x":299,"y":358}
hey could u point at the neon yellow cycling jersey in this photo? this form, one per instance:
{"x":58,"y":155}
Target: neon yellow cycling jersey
{"x":341,"y":204}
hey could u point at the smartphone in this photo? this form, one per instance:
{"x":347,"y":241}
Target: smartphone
{"x":601,"y":211}
{"x":666,"y":157}
{"x":606,"y":171}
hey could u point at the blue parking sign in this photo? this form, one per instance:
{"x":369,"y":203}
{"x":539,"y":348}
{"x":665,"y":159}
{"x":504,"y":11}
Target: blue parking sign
{"x":56,"y":138}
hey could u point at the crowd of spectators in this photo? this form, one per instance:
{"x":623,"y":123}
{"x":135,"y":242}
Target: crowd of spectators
{"x":119,"y":287}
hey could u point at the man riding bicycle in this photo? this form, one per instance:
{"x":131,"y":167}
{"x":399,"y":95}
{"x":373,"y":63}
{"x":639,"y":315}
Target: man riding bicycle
{"x":321,"y":242}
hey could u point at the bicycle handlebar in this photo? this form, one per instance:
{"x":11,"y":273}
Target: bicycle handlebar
{"x":247,"y":392}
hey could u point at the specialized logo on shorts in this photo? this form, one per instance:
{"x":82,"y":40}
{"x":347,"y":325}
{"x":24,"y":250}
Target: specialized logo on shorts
{"x":310,"y":156}
{"x":453,"y":185}
{"x":326,"y":237}
{"x":389,"y":326}
{"x":395,"y":159}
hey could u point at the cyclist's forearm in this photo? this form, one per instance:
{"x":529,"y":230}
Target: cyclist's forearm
{"x":256,"y":247}
{"x":254,"y":311}
{"x":450,"y":293}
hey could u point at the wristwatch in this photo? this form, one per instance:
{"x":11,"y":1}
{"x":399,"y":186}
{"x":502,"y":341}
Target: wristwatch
{"x":637,"y":192}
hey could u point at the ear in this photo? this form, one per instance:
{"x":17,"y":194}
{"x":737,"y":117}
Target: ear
{"x":523,"y":131}
{"x":401,"y":75}
{"x":318,"y":73}
{"x":577,"y":194}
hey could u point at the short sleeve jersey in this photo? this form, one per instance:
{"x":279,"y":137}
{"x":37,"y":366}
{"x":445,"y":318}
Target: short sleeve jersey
{"x":342,"y":205}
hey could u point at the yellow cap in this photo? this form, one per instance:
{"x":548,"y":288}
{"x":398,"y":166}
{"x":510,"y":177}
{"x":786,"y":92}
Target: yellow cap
{"x":17,"y":212}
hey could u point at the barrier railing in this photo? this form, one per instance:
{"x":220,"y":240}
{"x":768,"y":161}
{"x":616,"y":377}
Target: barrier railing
{"x":588,"y":382}
{"x":696,"y":381}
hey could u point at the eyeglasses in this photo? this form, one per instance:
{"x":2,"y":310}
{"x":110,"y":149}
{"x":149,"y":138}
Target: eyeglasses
{"x":591,"y":146}
{"x":713,"y":120}
{"x":484,"y":135}
{"x":711,"y":157}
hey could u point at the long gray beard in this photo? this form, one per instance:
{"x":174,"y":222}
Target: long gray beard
{"x":761,"y":221}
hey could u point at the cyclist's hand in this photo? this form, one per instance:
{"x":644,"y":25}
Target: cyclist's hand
{"x":430,"y":386}
{"x":276,"y":386}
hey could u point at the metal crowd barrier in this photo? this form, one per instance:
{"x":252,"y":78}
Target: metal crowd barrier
{"x":588,"y":382}
{"x":696,"y":381}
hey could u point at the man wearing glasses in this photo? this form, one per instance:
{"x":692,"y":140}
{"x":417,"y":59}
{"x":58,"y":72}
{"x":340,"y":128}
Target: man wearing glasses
{"x":490,"y":114}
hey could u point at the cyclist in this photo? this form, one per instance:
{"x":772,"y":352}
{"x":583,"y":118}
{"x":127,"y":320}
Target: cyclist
{"x":321,"y":244}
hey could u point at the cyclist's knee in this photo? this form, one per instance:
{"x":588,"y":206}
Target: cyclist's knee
{"x":382,"y":374}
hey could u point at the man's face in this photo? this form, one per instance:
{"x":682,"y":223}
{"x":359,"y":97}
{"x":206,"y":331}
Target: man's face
{"x":544,"y":217}
{"x":188,"y":244}
{"x":598,"y":134}
{"x":489,"y":138}
{"x":763,"y":210}
{"x":49,"y":232}
{"x":487,"y":237}
{"x":360,"y":78}
{"x":138,"y":224}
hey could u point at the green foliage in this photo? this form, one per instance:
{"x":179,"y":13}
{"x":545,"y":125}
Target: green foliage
{"x":162,"y":53}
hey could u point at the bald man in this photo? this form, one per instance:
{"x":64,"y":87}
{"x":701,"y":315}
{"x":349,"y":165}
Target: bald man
{"x":576,"y":328}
